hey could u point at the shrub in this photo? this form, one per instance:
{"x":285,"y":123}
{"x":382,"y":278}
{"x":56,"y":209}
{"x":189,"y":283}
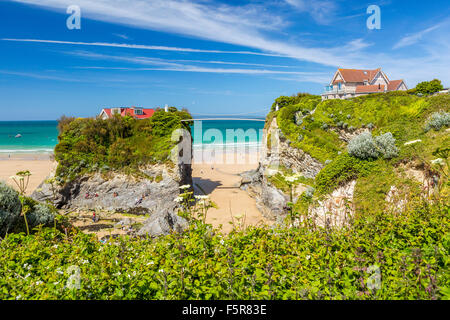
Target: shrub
{"x":438,"y":120}
{"x":41,"y":214}
{"x":10,"y":207}
{"x":364,"y":146}
{"x":386,"y":145}
{"x":429,"y":87}
{"x":341,"y":170}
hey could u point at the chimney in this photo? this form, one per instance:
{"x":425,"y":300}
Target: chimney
{"x":166,"y":108}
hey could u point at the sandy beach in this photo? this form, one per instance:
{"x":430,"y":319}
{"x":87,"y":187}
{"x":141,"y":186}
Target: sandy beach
{"x":220,"y":179}
{"x":39,"y":165}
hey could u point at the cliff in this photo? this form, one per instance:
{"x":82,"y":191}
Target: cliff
{"x":327,"y":161}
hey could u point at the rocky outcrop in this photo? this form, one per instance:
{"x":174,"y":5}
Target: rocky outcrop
{"x":270,"y":200}
{"x":336,"y":209}
{"x":281,"y":153}
{"x":163,"y":223}
{"x":152,"y":193}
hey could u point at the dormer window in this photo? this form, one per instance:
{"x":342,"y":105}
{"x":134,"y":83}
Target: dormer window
{"x":138,"y":111}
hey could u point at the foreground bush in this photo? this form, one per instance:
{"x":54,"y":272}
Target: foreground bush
{"x":10,"y":208}
{"x":381,"y":256}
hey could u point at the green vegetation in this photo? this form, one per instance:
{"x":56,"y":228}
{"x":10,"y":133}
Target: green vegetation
{"x":438,"y":120}
{"x":399,"y":123}
{"x":364,"y":146}
{"x":429,"y":87}
{"x":121,"y":143}
{"x":13,"y":205}
{"x":384,"y":256}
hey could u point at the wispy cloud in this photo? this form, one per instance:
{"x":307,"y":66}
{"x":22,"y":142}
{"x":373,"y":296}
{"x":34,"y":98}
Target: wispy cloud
{"x":415,"y":37}
{"x":39,"y":76}
{"x":174,"y":65}
{"x":252,"y":26}
{"x":123,"y":36}
{"x":138,"y":46}
{"x":322,"y":11}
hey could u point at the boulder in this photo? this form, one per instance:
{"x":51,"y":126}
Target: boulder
{"x":163,"y":223}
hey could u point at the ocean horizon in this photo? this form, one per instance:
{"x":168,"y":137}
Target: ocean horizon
{"x":41,"y":136}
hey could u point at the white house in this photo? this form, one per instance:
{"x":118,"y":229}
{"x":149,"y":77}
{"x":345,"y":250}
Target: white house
{"x":349,"y":83}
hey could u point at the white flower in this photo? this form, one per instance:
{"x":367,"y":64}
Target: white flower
{"x":308,"y":257}
{"x":39,"y":282}
{"x":222,"y":242}
{"x":19,"y":297}
{"x":161,"y":270}
{"x":150,"y":263}
{"x":201,"y":197}
{"x":290,"y":179}
{"x":178,"y":199}
{"x":186,"y":186}
{"x":412,"y":142}
{"x":438,"y":161}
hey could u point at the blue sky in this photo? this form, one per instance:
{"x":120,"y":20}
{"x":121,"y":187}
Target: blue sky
{"x":210,"y":56}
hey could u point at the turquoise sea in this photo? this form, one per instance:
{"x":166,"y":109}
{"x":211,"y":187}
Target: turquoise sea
{"x":41,"y":136}
{"x":36,"y":136}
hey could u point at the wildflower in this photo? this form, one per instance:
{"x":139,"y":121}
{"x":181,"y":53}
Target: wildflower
{"x":412,"y":142}
{"x":201,"y":197}
{"x":186,"y":186}
{"x":161,"y":270}
{"x":291,"y":179}
{"x":438,"y":161}
{"x":178,"y":199}
{"x":150,"y":263}
{"x":39,"y":282}
{"x":222,"y":242}
{"x":19,"y":297}
{"x":308,"y":257}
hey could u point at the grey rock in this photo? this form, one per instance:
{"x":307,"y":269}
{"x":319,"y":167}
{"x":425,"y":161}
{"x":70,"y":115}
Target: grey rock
{"x":123,"y":222}
{"x":120,"y":193}
{"x":163,"y":223}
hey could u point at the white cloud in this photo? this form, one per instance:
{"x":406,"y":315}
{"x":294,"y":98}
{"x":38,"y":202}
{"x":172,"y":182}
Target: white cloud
{"x":414,"y":38}
{"x":252,"y":26}
{"x":322,"y":11}
{"x":138,"y":46}
{"x":170,"y":65}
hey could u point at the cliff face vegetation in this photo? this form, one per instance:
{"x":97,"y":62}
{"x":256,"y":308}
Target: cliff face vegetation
{"x":366,"y":155}
{"x":118,"y":144}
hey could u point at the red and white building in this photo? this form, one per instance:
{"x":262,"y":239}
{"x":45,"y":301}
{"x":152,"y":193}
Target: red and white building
{"x":135,"y":112}
{"x":349,"y":83}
